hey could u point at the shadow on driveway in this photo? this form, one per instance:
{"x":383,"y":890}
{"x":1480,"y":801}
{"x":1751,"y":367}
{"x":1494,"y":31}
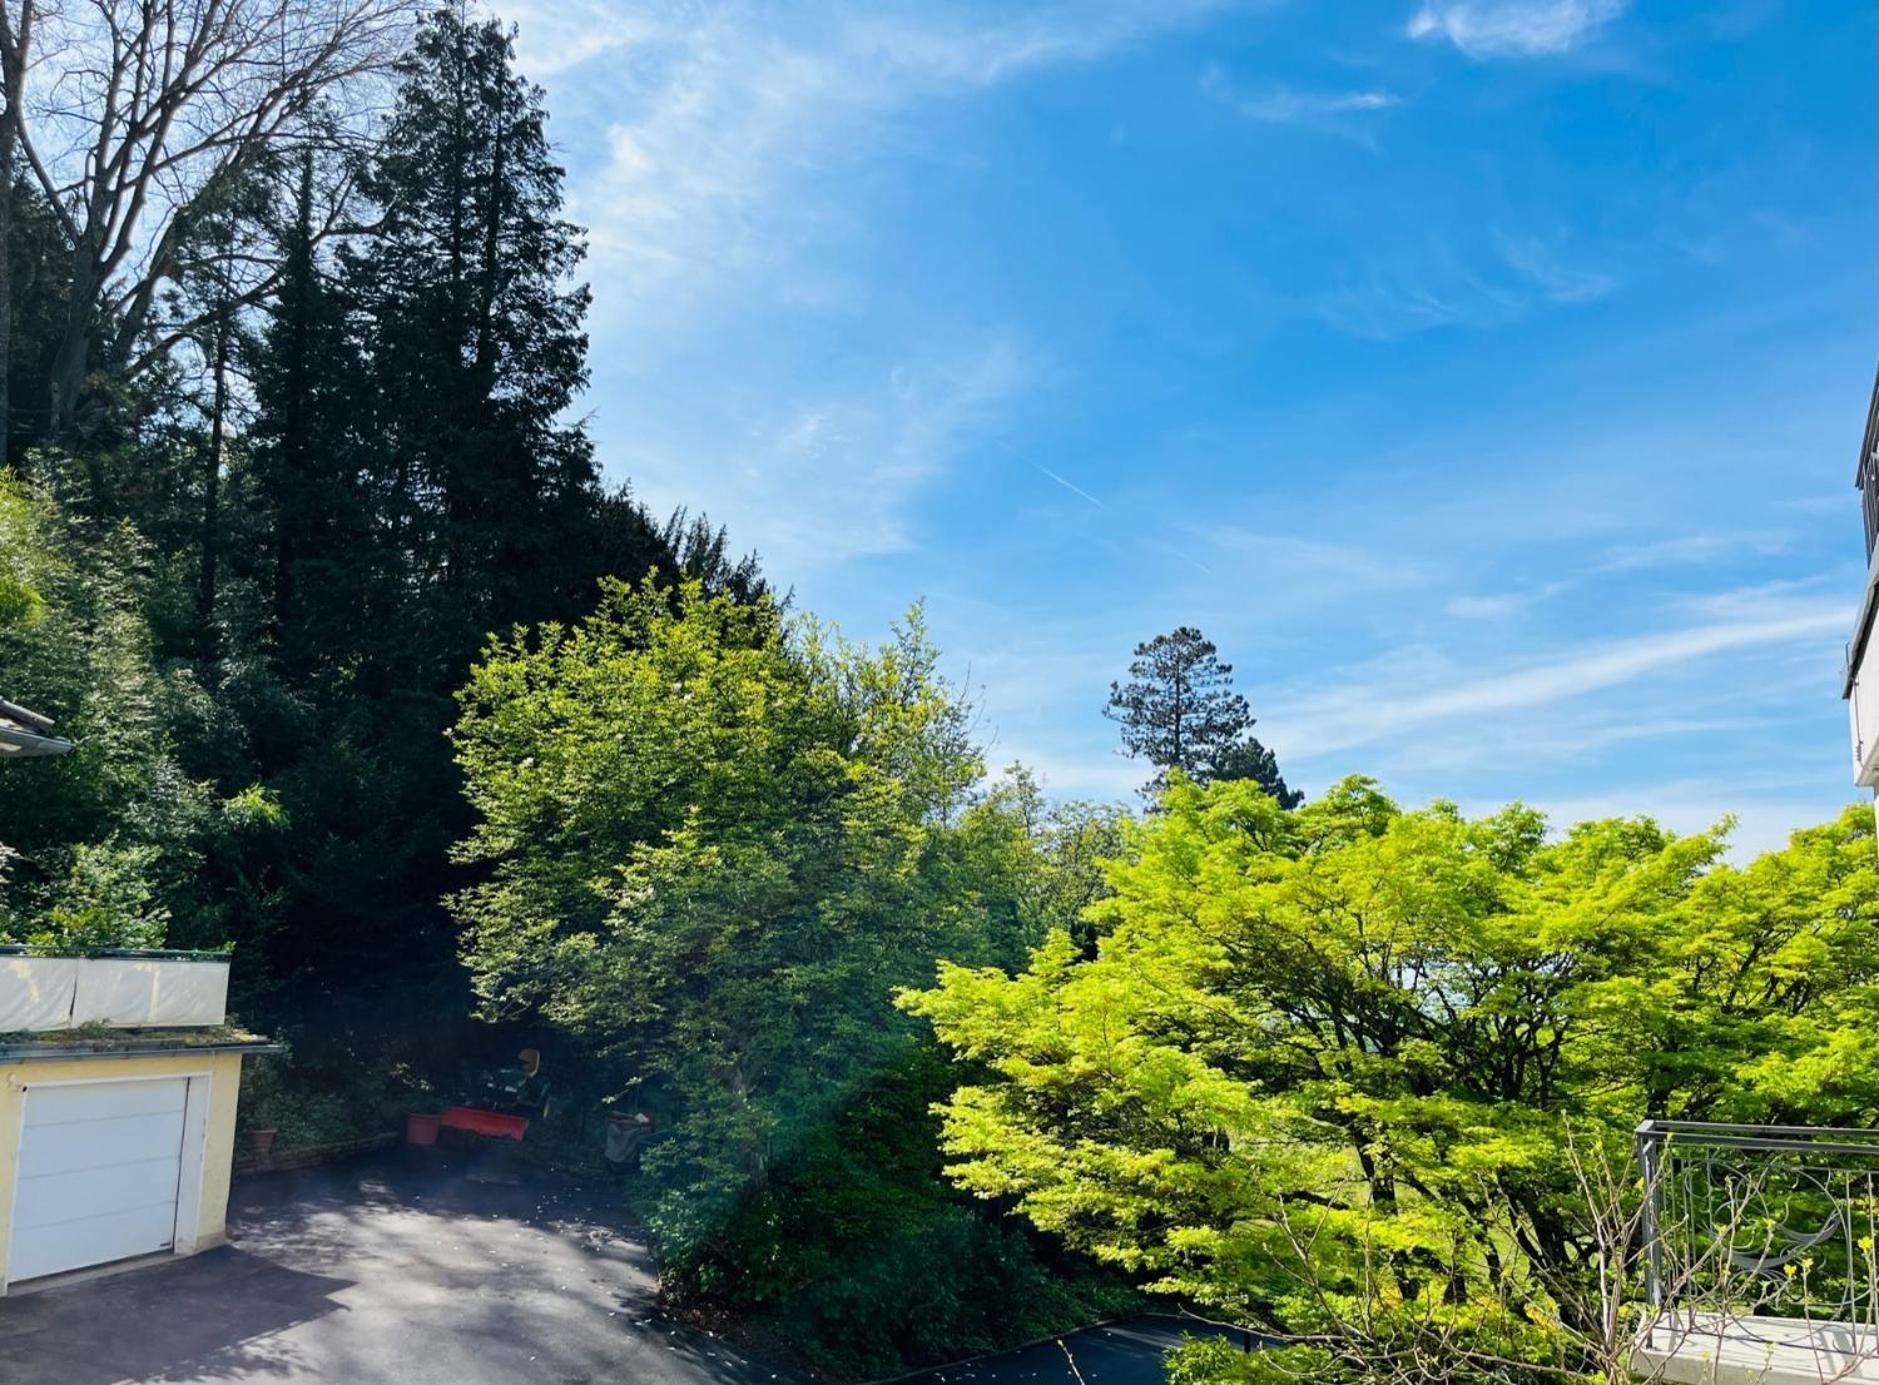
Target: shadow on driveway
{"x":218,"y":1315}
{"x":383,"y":1271}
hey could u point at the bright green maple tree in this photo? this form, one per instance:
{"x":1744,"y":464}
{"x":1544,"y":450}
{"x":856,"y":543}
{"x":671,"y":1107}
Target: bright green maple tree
{"x":1337,"y":1073}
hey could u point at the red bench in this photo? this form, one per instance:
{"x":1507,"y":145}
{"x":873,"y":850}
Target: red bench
{"x":494,"y":1124}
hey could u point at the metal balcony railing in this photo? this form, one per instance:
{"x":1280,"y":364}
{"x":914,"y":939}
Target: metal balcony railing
{"x":1866,"y":476}
{"x":1759,"y":1244}
{"x":1869,"y":503}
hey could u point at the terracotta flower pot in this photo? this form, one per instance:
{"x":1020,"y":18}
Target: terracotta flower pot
{"x":420,"y":1129}
{"x":261,"y":1142}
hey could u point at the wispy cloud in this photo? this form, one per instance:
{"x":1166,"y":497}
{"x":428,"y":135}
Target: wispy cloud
{"x":977,"y":45}
{"x":1828,"y":503}
{"x":814,"y":484}
{"x":1414,"y":292}
{"x":1529,"y":257}
{"x":1458,"y":282}
{"x":1513,"y":28}
{"x":1691,"y":550}
{"x":1337,"y":113}
{"x":1497,"y":747}
{"x":1070,"y":774}
{"x":1499,"y":605}
{"x":1766,"y":811}
{"x":555,"y":36}
{"x":1682,"y":550}
{"x":1366,"y":712}
{"x":1326,"y":564}
{"x":1755,"y":602}
{"x":715,"y":115}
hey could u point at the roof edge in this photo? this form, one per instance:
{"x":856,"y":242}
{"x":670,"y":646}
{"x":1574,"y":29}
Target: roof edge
{"x":30,"y":1053}
{"x":1870,"y":442}
{"x":60,"y":952}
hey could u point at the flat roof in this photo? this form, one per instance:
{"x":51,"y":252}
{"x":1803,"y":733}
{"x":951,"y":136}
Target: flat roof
{"x":135,"y":954}
{"x":70,"y":1049}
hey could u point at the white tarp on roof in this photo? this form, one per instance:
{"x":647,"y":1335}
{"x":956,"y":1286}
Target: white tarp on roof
{"x":46,"y":993}
{"x":135,"y":993}
{"x":36,"y":993}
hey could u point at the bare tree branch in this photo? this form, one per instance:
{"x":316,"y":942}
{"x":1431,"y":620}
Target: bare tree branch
{"x":151,"y":105}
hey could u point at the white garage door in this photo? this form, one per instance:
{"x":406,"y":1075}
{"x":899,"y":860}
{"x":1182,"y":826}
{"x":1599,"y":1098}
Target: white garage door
{"x":98,"y":1173}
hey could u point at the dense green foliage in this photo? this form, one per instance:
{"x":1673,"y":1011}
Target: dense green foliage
{"x":249,"y":587}
{"x":102,"y":846}
{"x":1336,"y":1073}
{"x":1179,"y":712}
{"x":718,"y":841}
{"x":22,"y":561}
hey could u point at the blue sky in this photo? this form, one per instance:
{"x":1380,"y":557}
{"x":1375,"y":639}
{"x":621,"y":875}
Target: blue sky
{"x":1485,"y":377}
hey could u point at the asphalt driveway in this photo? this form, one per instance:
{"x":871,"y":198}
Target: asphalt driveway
{"x":405,"y":1272}
{"x":379,"y":1271}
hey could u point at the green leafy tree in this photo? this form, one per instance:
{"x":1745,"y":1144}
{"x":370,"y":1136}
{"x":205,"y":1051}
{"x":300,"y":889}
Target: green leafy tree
{"x":715,"y":845}
{"x":22,"y":559}
{"x":107,"y":838}
{"x":1179,"y":712}
{"x":1329,"y":1072}
{"x":715,"y":842}
{"x":1047,"y":859}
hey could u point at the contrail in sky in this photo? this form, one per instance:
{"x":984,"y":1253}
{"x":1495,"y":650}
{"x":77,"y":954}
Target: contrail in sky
{"x":1070,"y":486}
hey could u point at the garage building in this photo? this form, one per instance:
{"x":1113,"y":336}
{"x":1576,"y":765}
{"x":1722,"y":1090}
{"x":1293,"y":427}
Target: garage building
{"x":118,"y":1087}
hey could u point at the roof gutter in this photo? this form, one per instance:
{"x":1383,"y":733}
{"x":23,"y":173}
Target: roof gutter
{"x":147,"y":1050}
{"x":116,"y":954}
{"x":17,"y":743}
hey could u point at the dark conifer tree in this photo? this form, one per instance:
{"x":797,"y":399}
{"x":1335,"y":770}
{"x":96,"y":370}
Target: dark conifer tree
{"x":426,"y":491}
{"x":1247,"y":758}
{"x":473,"y":335}
{"x":1179,"y":711}
{"x":314,"y":411}
{"x":38,"y":271}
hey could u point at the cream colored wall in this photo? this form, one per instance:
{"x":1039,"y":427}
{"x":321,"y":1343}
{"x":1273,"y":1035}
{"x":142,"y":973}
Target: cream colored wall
{"x":224,"y":1071}
{"x":218,"y":1159}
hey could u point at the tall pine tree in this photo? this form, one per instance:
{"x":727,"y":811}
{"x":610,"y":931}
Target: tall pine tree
{"x":313,"y":417}
{"x":426,"y":491}
{"x":473,"y":336}
{"x":1179,"y":711}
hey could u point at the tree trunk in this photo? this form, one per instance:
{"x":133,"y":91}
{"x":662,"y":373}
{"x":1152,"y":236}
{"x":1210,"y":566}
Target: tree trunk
{"x":6,"y":284}
{"x":212,"y":494}
{"x":71,"y":361}
{"x":14,"y":51}
{"x":293,"y":323}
